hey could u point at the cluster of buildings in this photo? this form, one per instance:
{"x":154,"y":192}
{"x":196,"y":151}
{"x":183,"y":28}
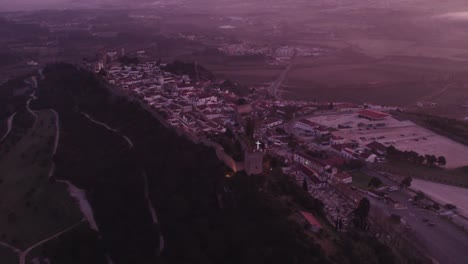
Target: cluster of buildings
{"x":243,"y":49}
{"x":348,"y":149}
{"x":283,"y":127}
{"x":281,"y":52}
{"x":190,"y":106}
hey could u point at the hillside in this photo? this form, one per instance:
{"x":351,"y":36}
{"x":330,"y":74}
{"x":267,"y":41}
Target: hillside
{"x":155,"y":197}
{"x":183,"y":179}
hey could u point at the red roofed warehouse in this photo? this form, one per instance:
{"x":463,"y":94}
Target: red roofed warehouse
{"x":372,"y":115}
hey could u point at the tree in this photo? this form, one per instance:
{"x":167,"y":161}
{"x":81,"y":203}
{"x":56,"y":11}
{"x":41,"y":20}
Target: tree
{"x":421,"y":159}
{"x":304,"y":185}
{"x":241,"y":101}
{"x":441,"y":160}
{"x":355,"y":164}
{"x":102,"y":72}
{"x":292,"y":142}
{"x":128,"y":60}
{"x":431,"y":159}
{"x":362,"y":211}
{"x":250,"y":127}
{"x":375,"y":182}
{"x":395,"y":218}
{"x":419,"y":196}
{"x":406,"y":182}
{"x":391,"y":150}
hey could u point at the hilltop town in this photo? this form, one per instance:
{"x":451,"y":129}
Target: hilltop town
{"x":334,"y":150}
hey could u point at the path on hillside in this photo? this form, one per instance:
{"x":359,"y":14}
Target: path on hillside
{"x":14,"y":249}
{"x":153,"y":211}
{"x":31,"y":97}
{"x":23,"y":254}
{"x":151,"y":208}
{"x":9,"y":126}
{"x":57,"y":130}
{"x":75,"y":192}
{"x":129,"y":142}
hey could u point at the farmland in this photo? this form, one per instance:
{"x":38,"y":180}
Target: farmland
{"x":35,"y":207}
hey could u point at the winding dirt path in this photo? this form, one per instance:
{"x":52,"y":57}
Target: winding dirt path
{"x":57,"y":130}
{"x":22,"y":255}
{"x":151,"y":208}
{"x":129,"y":142}
{"x":153,"y":212}
{"x":9,"y":126}
{"x":31,"y":97}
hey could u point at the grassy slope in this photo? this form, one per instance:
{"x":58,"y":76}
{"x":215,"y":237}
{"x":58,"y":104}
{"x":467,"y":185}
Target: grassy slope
{"x":7,"y":256}
{"x":34,"y":206}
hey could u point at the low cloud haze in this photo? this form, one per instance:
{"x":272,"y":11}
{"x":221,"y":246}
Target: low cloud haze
{"x":7,"y":5}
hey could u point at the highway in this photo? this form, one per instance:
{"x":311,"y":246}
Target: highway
{"x":273,"y":89}
{"x":444,"y":242}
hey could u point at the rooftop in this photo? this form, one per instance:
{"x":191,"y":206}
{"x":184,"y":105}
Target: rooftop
{"x":372,"y":114}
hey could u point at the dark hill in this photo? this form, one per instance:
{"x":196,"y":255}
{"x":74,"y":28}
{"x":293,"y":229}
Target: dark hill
{"x":185,"y":180}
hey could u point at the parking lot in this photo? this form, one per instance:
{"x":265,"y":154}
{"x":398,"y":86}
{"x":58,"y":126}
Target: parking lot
{"x":404,"y":135}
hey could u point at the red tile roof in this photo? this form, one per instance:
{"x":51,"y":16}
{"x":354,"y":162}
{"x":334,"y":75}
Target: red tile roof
{"x":311,"y":219}
{"x":343,"y":175}
{"x":309,"y":174}
{"x":335,"y":161}
{"x":309,"y":123}
{"x":372,"y":114}
{"x":377,"y":146}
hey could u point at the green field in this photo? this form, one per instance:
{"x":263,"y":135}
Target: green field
{"x":32,"y":206}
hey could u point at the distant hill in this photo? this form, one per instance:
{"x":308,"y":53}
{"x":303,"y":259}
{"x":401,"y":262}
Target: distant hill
{"x":185,"y":183}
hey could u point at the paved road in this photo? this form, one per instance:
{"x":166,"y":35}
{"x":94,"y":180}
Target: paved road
{"x":444,"y":241}
{"x":273,"y":89}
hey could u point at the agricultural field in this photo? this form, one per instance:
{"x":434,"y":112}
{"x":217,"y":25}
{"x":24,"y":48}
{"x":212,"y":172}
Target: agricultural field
{"x":34,"y":207}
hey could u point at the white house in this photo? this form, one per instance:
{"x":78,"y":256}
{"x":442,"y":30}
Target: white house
{"x":306,"y":125}
{"x":342,"y":177}
{"x":313,"y":180}
{"x":336,"y":140}
{"x":272,"y":122}
{"x":205,"y":99}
